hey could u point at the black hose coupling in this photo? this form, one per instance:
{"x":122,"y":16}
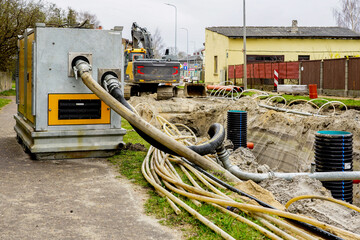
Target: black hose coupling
{"x":223,"y":154}
{"x":110,"y":81}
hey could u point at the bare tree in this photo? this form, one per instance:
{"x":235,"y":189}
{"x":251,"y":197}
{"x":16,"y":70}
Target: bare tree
{"x":58,"y":17}
{"x":92,"y":21}
{"x":158,"y":44}
{"x":349,"y":14}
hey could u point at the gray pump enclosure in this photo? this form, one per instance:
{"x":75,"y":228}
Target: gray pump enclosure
{"x":58,"y":116}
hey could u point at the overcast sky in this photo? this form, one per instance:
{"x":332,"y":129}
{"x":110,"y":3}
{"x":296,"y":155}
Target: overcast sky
{"x":196,"y":15}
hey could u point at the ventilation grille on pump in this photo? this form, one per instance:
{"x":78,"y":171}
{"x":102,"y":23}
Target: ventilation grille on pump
{"x":80,"y":109}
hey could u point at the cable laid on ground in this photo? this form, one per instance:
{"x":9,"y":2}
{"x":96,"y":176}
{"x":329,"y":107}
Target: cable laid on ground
{"x":306,"y":225}
{"x":351,"y":206}
{"x":146,"y":172}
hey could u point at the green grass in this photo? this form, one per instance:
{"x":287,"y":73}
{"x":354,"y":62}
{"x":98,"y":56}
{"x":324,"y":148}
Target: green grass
{"x":3,"y":102}
{"x":129,"y":163}
{"x":10,"y":92}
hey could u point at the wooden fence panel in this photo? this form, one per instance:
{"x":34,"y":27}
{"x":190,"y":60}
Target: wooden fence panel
{"x":334,"y":74}
{"x":310,"y":72}
{"x":354,"y":74}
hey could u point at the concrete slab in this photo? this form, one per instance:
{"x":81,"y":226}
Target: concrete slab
{"x":67,"y":199}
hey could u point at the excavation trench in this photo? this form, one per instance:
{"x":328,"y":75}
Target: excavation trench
{"x":283,"y":142}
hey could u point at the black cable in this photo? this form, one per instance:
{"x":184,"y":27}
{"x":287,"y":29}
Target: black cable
{"x":314,"y":229}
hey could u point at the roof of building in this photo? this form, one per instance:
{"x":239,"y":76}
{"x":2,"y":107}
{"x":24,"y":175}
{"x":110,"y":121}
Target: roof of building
{"x":286,"y":32}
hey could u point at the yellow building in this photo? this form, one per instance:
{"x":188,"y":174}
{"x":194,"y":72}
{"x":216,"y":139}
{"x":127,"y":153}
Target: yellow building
{"x":224,"y":46}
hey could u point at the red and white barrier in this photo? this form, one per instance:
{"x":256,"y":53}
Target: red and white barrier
{"x":276,"y":79}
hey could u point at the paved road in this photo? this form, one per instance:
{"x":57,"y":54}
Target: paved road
{"x":67,"y":199}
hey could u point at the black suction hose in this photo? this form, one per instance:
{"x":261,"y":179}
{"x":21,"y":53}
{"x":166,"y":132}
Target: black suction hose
{"x":216,"y":133}
{"x":310,"y":227}
{"x":117,"y":94}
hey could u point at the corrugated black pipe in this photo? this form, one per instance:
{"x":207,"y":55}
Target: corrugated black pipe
{"x":217,"y":136}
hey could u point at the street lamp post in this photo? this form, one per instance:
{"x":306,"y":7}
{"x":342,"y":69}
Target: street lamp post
{"x":175,"y":25}
{"x":187,"y":50}
{"x":194,"y":46}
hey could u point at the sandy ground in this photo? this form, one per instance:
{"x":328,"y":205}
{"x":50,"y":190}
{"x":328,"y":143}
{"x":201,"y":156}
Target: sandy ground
{"x":283,"y":142}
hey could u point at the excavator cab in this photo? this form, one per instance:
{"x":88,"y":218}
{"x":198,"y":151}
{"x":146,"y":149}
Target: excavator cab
{"x":130,"y":56}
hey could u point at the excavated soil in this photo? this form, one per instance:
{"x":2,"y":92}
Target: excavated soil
{"x":283,"y":142}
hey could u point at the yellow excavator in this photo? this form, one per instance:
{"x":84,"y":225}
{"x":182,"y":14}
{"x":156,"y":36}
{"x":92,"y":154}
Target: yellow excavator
{"x":143,"y":73}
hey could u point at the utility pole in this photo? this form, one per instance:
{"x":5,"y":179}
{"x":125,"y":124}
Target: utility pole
{"x":244,"y":50}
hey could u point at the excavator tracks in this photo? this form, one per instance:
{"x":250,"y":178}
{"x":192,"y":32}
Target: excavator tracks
{"x":165,"y":92}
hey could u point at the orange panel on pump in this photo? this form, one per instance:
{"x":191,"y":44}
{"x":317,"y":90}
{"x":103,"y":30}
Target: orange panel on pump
{"x":76,"y":111}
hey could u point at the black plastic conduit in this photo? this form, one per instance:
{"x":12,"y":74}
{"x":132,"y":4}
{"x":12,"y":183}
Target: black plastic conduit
{"x":334,"y":152}
{"x":237,"y":128}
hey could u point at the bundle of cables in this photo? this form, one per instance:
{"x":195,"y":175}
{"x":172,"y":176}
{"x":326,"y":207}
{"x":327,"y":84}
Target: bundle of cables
{"x":161,"y":170}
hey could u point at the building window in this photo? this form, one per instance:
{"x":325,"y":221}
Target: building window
{"x":264,"y":58}
{"x":215,"y":64}
{"x":303,"y":57}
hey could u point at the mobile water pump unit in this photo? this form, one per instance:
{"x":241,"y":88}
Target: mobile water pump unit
{"x":58,"y":116}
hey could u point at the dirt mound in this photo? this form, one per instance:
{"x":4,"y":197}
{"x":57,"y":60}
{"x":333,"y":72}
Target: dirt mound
{"x":246,"y":161}
{"x":325,"y":211}
{"x":257,"y":191}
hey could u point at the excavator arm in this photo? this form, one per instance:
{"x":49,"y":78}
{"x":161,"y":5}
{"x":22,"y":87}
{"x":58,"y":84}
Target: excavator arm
{"x":141,"y":35}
